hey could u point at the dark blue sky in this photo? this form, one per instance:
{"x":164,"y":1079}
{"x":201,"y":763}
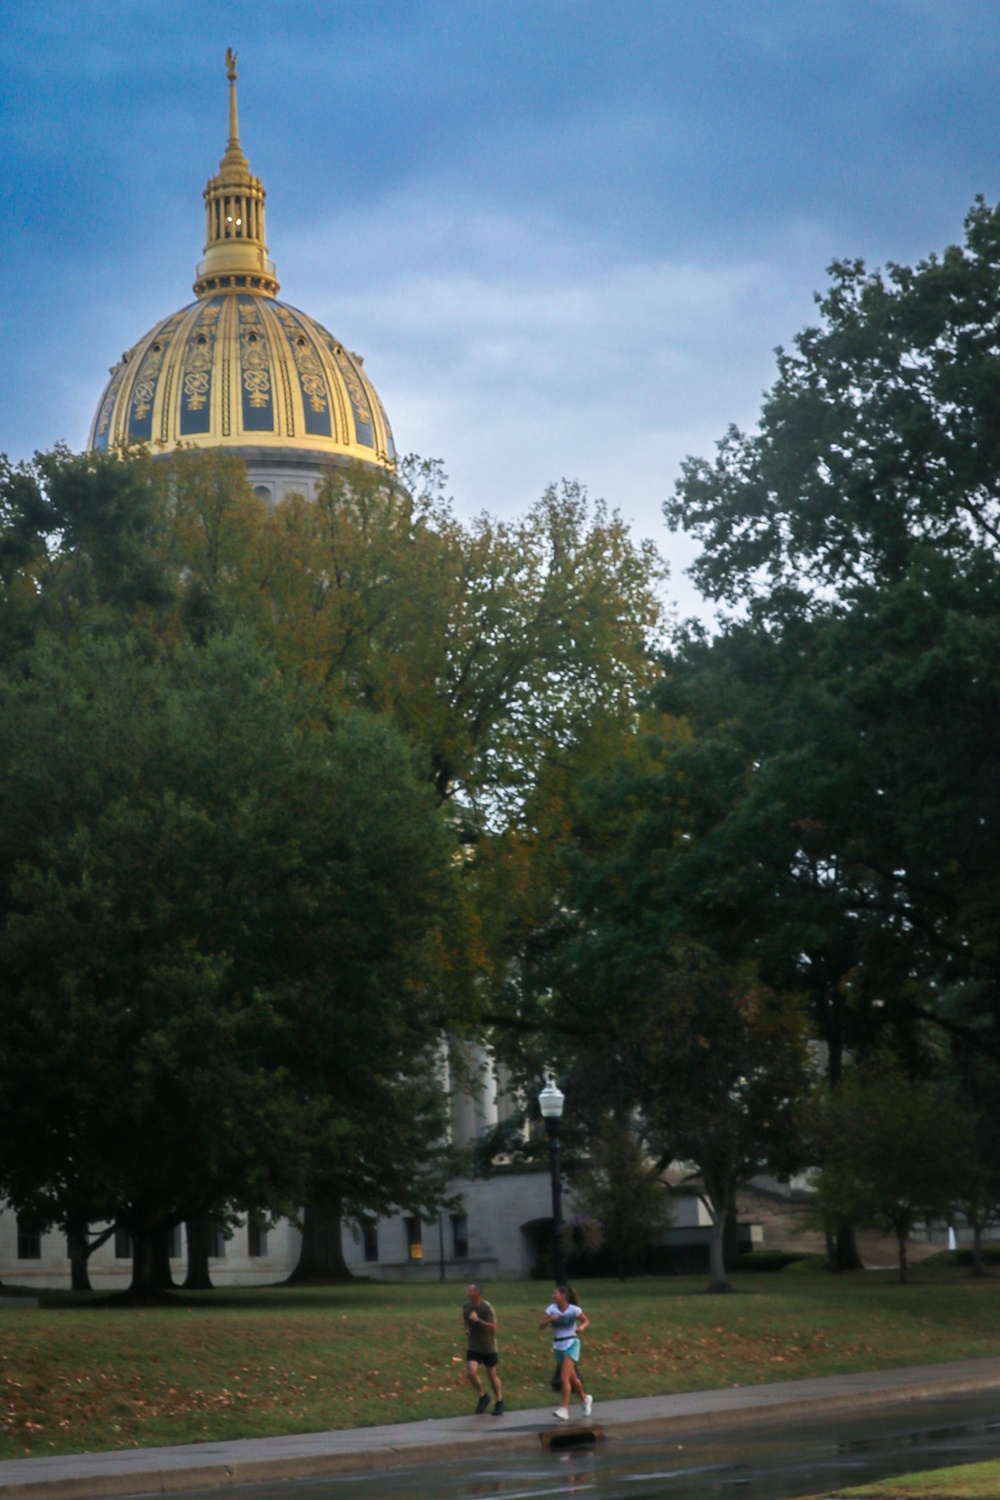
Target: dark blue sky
{"x":565,"y":234}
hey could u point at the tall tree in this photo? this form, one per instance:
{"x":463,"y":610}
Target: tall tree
{"x":859,"y":527}
{"x":658,"y":1025}
{"x":212,"y":903}
{"x":855,"y":536}
{"x":512,"y":654}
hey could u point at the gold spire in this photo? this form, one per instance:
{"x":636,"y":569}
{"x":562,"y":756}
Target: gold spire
{"x":235,"y":249}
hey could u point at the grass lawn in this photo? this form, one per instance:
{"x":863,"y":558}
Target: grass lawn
{"x":88,"y":1375}
{"x":966,"y":1482}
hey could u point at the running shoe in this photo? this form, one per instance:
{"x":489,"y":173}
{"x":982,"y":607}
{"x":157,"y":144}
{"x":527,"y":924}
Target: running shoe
{"x":562,"y":1412}
{"x":588,"y":1405}
{"x":499,"y":1409}
{"x":482,"y":1405}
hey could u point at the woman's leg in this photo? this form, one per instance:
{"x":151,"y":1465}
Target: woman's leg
{"x":567,"y":1371}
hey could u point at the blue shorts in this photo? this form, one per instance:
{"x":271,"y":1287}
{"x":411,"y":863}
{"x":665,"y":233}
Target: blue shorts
{"x":572,"y":1350}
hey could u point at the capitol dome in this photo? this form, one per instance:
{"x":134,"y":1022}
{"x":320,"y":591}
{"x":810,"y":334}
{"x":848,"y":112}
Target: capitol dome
{"x":240,"y":370}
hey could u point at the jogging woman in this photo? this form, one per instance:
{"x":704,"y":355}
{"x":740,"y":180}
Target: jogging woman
{"x":567,"y":1322}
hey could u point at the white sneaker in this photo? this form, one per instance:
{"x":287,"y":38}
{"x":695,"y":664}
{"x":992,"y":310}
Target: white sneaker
{"x":588,"y":1405}
{"x":562,"y":1412}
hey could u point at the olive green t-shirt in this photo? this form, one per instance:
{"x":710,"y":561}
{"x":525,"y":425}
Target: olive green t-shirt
{"x":481,"y":1340}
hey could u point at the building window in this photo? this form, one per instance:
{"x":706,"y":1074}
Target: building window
{"x":175,"y":1248}
{"x":263,"y":492}
{"x":123,"y":1244}
{"x":29,"y":1241}
{"x":414,"y":1240}
{"x":369,"y":1234}
{"x":216,"y":1243}
{"x":460,"y":1236}
{"x":256,"y":1239}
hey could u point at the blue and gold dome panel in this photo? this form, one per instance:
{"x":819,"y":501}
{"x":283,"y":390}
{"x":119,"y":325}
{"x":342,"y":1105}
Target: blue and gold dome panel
{"x":237,"y":369}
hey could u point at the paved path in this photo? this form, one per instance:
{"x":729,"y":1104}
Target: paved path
{"x":202,"y":1466}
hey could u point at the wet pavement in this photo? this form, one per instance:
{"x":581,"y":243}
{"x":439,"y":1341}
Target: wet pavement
{"x":804,"y":1458}
{"x":773,"y":1441}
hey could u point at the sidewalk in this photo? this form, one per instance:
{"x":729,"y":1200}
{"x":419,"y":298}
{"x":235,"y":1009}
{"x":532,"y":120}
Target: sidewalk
{"x":360,"y":1450}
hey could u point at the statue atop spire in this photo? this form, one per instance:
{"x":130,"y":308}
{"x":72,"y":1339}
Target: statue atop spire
{"x":233,"y":149}
{"x":235,"y":249}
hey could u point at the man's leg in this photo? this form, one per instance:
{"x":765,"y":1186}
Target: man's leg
{"x":494,"y":1377}
{"x":472,"y":1375}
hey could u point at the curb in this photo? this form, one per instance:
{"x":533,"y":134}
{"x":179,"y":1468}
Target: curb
{"x":208,"y":1466}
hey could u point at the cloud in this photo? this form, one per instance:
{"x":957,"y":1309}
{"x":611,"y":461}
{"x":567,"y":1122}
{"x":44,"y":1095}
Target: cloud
{"x":521,"y":356}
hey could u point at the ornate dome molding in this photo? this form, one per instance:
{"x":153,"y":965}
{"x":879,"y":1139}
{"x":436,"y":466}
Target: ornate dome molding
{"x":234,"y":370}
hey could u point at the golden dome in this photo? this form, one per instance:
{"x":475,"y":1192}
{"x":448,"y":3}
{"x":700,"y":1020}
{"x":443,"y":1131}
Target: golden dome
{"x":238,"y":369}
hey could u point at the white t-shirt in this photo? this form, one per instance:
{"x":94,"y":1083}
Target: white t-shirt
{"x":564,"y":1327}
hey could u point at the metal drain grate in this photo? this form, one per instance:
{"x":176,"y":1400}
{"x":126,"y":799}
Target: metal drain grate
{"x":573,"y":1437}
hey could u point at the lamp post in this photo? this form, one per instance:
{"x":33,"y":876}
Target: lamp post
{"x":550,"y":1102}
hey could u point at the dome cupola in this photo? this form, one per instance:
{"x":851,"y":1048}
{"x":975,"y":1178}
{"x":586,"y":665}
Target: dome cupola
{"x":235,"y":248}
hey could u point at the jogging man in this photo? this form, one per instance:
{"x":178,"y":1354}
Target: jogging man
{"x":567,"y":1322}
{"x":480,"y":1323}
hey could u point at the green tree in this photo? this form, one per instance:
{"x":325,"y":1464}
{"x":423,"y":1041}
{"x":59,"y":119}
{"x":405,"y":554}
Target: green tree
{"x":877,"y":445}
{"x":621,"y":1188}
{"x":493,"y":644}
{"x":511,"y":654}
{"x":728,"y":1073}
{"x":849,"y":697}
{"x":777,"y":841}
{"x":79,"y":541}
{"x":217,"y":910}
{"x":713,"y":1061}
{"x":858,"y":529}
{"x":976,"y":1182}
{"x":894,"y":1147}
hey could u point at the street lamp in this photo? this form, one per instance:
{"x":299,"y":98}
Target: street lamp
{"x":550,"y":1102}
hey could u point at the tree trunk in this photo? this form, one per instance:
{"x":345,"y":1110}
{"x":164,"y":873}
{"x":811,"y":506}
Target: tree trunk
{"x":731,"y":1241}
{"x":843,"y":1254}
{"x":197,"y":1278}
{"x":901,"y":1237}
{"x":832,"y":1264}
{"x":832,"y":1014}
{"x":143,"y":1286}
{"x":81,"y":1247}
{"x":978,"y":1264}
{"x":716,"y":1256}
{"x":79,"y":1253}
{"x":322,"y":1252}
{"x":162,"y":1276}
{"x":848,"y":1258}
